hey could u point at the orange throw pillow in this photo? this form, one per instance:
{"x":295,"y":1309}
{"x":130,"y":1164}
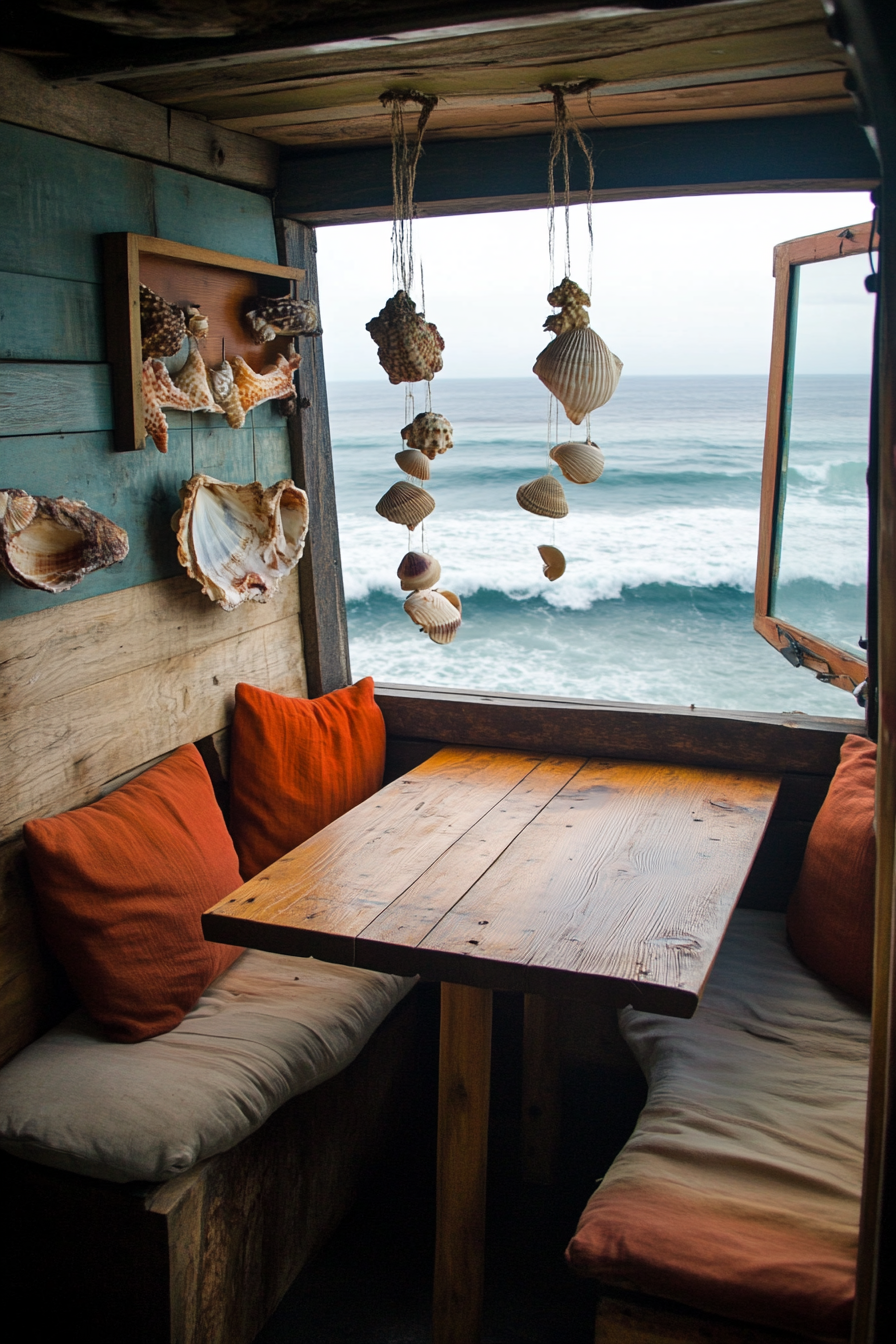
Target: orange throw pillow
{"x":121,"y":886}
{"x":830,"y":918}
{"x":296,"y":765}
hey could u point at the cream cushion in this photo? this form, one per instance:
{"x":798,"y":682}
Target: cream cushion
{"x":267,"y":1029}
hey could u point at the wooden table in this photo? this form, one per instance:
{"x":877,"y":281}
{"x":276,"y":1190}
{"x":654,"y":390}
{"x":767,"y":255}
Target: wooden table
{"x":611,"y":881}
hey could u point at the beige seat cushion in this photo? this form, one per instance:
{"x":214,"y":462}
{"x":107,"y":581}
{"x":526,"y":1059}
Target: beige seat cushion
{"x":739,"y":1190}
{"x":267,"y":1029}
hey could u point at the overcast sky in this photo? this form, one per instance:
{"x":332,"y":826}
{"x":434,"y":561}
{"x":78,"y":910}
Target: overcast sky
{"x":680,"y":286}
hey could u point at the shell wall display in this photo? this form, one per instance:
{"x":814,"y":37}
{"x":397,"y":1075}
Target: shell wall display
{"x":409,"y":347}
{"x":52,"y":544}
{"x":274,"y":381}
{"x":163,"y":327}
{"x":270,"y":318}
{"x":160,"y":391}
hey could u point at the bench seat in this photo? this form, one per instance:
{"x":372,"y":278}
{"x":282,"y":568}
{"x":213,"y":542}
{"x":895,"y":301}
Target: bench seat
{"x":738,"y":1192}
{"x":271,"y":1027}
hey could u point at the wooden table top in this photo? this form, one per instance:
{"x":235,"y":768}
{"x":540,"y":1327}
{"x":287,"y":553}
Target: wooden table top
{"x":559,"y":875}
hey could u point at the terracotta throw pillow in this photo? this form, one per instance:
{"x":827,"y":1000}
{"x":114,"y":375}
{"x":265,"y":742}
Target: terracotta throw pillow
{"x":296,"y":765}
{"x":121,"y":886}
{"x":830,"y":918}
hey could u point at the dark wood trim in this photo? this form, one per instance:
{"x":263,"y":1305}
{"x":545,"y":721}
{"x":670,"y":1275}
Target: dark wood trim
{"x":322,"y":597}
{"x":827,"y":151}
{"x":793,"y":743}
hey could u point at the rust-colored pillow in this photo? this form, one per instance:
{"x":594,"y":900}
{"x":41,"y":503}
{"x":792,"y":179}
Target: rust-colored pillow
{"x":121,"y":886}
{"x":830,"y":918}
{"x":296,"y":765}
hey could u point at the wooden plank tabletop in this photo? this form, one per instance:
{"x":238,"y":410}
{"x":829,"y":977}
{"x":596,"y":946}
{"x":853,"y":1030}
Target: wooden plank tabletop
{"x":600,"y":879}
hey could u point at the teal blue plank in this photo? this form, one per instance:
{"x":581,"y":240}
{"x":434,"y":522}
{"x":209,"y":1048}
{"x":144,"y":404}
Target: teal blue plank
{"x":57,"y":197}
{"x":54,"y":398}
{"x":223,"y":452}
{"x":272,"y":458}
{"x":136,"y":490}
{"x":208,"y":214}
{"x":51,"y":319}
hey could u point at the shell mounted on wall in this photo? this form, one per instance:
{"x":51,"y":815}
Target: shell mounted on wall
{"x":240,"y":541}
{"x":162,"y":326}
{"x":193,"y":380}
{"x":226,"y":393}
{"x":410,"y":348}
{"x":159,"y":390}
{"x":577,"y":367}
{"x":429,"y":433}
{"x":270,"y":318}
{"x":273,"y":383}
{"x":52,"y":544}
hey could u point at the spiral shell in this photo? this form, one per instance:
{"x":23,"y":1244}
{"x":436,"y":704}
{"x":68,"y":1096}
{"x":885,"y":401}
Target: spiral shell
{"x":580,"y":370}
{"x":418,"y":570}
{"x":51,"y":544}
{"x":543,"y":496}
{"x":580,"y":463}
{"x":162,"y":326}
{"x":414,"y":463}
{"x":193,"y":381}
{"x":406,"y":504}
{"x":430,"y":432}
{"x":410,"y":348}
{"x":435,"y":614}
{"x":554,"y":562}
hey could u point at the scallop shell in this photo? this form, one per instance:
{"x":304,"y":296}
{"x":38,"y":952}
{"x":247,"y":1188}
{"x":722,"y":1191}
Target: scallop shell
{"x":418,"y":570}
{"x":406,"y":504}
{"x":543,"y":496}
{"x":159,"y":391}
{"x":435,"y":614}
{"x":194,"y":381}
{"x":51,"y":544}
{"x":430,"y":432}
{"x":239,"y":541}
{"x":580,"y":370}
{"x":414,"y":463}
{"x":554,"y":562}
{"x":580,"y":463}
{"x":162,"y":326}
{"x":226,"y":394}
{"x":270,"y":318}
{"x":452,"y":598}
{"x":274,"y":381}
{"x":410,"y":348}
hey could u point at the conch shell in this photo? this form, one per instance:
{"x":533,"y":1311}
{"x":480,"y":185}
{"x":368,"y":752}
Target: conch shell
{"x":239,"y":541}
{"x":162,"y":326}
{"x":580,"y":463}
{"x":274,"y":381}
{"x":410,"y":348}
{"x":418,"y":570}
{"x":414,"y":463}
{"x":580,"y":370}
{"x":159,"y":391}
{"x":270,"y":318}
{"x":193,"y":379}
{"x":406,"y":504}
{"x":543,"y":496}
{"x":51,"y":544}
{"x":226,"y":394}
{"x":554,"y":562}
{"x":430,"y":432}
{"x":435,"y":614}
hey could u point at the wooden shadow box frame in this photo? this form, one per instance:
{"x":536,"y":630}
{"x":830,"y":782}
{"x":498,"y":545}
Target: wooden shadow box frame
{"x":800,"y":647}
{"x":216,"y":282}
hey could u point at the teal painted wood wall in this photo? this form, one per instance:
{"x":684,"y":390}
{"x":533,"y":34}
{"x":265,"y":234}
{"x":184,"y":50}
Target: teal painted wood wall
{"x":56,"y":198}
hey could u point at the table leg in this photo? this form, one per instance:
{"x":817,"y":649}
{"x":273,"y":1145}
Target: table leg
{"x":464,"y":1062}
{"x":541,"y":1088}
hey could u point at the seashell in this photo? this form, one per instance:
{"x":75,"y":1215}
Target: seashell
{"x":452,"y":598}
{"x":159,"y":391}
{"x":430,"y":432}
{"x":406,"y":504}
{"x":410,"y":348}
{"x":239,"y":541}
{"x":270,"y":318}
{"x":418,"y":570}
{"x":435,"y":614}
{"x":51,"y":544}
{"x":543,"y":496}
{"x":554,"y":562}
{"x":162,"y":326}
{"x":580,"y":463}
{"x":414,"y":463}
{"x":197,"y":323}
{"x":194,"y":381}
{"x":274,"y":381}
{"x":226,"y":394}
{"x":580,"y":370}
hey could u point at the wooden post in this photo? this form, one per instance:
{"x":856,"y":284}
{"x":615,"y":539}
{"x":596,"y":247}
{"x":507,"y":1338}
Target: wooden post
{"x":541,"y":1088}
{"x":324,"y":628}
{"x":464,"y":1065}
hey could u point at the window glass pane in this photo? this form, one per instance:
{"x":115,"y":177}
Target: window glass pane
{"x":824,"y":536}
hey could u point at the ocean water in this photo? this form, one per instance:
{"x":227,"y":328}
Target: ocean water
{"x":656,"y":602}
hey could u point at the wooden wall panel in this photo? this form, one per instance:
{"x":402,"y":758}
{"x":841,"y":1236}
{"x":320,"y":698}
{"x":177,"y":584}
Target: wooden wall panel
{"x":54,"y":398}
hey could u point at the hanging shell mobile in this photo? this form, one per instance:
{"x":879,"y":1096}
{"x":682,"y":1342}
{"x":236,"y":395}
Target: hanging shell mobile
{"x":429,"y":433}
{"x":418,"y":570}
{"x":543,"y":496}
{"x":274,"y":381}
{"x":270,"y":318}
{"x":162,"y":326}
{"x":577,"y":367}
{"x":406,"y":504}
{"x":52,"y":544}
{"x":415,"y":463}
{"x":435,"y":613}
{"x":239,"y":541}
{"x":410,"y":348}
{"x":159,"y":391}
{"x":581,"y":463}
{"x":554,"y":562}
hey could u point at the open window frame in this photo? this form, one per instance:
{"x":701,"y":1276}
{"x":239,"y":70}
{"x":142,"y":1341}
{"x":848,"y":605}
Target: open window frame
{"x":800,"y":647}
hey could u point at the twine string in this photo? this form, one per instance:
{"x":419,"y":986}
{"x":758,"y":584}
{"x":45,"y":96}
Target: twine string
{"x":406,"y":153}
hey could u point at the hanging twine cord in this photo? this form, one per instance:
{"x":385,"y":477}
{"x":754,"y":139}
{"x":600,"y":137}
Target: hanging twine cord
{"x":564,"y":125}
{"x":406,"y":153}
